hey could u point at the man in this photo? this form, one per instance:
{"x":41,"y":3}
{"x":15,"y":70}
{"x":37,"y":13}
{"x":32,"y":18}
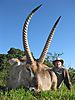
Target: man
{"x":61,"y":73}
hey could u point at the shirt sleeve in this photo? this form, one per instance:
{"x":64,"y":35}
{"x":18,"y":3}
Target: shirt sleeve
{"x":67,"y":81}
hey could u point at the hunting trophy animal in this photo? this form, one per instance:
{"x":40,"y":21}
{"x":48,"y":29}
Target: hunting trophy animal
{"x":34,"y":74}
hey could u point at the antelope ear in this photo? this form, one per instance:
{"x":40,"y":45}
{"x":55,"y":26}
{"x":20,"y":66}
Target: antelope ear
{"x":30,"y":59}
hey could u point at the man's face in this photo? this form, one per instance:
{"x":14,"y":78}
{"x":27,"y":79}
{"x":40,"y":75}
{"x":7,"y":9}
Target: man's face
{"x":58,"y":64}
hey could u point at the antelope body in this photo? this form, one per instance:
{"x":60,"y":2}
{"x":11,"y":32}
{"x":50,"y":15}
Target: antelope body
{"x":34,"y":73}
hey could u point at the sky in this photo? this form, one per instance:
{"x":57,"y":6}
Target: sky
{"x":13,"y":13}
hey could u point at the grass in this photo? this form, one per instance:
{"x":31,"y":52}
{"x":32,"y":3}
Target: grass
{"x":22,"y":94}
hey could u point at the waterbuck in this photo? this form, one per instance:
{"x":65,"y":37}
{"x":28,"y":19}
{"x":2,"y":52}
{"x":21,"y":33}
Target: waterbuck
{"x":34,"y":73}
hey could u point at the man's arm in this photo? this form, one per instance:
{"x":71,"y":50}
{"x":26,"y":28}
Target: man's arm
{"x":67,"y":81}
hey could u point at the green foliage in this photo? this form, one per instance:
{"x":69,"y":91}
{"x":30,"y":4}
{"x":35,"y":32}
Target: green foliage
{"x":15,"y":53}
{"x":3,"y":60}
{"x":72,"y":75}
{"x":53,"y":56}
{"x":50,"y":57}
{"x":48,"y":63}
{"x":23,"y":94}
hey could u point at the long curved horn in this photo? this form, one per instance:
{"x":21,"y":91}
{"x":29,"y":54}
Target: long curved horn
{"x":45,"y":50}
{"x":25,"y":38}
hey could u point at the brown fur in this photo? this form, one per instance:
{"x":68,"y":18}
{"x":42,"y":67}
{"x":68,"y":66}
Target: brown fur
{"x":45,"y":78}
{"x":53,"y":79}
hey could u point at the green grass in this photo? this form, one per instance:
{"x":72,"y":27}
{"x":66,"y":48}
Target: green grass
{"x":22,"y":94}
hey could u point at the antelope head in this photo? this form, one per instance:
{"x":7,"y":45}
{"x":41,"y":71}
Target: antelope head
{"x":36,"y":65}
